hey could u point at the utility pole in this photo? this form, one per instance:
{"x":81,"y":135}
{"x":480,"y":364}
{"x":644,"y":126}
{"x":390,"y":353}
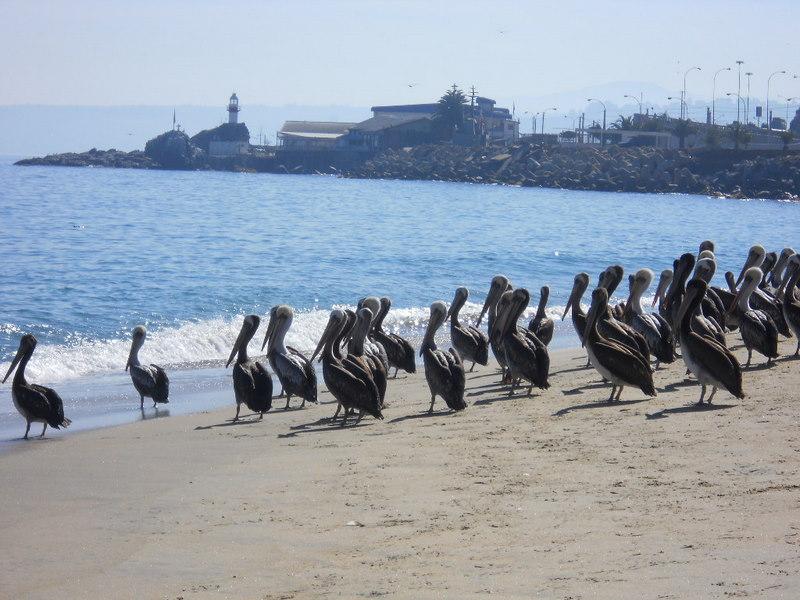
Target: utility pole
{"x":747,"y":104}
{"x":714,"y":96}
{"x":769,"y":115}
{"x":739,"y":89}
{"x":472,"y":94}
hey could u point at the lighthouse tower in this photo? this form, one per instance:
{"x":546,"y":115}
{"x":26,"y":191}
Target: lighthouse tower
{"x":233,"y":109}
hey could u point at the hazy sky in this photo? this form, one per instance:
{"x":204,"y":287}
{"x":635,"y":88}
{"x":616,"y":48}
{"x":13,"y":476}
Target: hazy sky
{"x":361,"y":53}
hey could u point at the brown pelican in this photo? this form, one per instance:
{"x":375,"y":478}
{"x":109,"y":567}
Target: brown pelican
{"x":618,"y":363}
{"x":758,"y":329}
{"x":762,"y":299}
{"x":252,"y":385}
{"x":499,"y":286}
{"x":655,"y":329}
{"x":36,"y":403}
{"x":790,"y":304}
{"x":526,"y":356}
{"x":470,"y":342}
{"x":149,"y":380}
{"x":664,"y":282}
{"x":366,"y":359}
{"x":776,"y":275}
{"x":352,"y":387}
{"x":542,"y":325}
{"x":711,"y":312}
{"x":579,"y":285}
{"x":373,"y":346}
{"x":682,"y":268}
{"x":711,"y":362}
{"x":444,"y":371}
{"x":612,"y":326}
{"x":706,"y":245}
{"x":398,"y":350}
{"x":294,"y":371}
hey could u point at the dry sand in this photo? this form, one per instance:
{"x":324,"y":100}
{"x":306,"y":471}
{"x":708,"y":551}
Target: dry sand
{"x":555,"y":496}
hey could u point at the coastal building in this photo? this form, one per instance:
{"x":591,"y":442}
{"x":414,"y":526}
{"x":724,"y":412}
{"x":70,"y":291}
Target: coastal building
{"x":390,"y":131}
{"x":313,"y":135}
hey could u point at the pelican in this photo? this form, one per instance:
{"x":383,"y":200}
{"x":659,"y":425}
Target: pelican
{"x":398,"y":350}
{"x":762,"y":299}
{"x":149,"y":380}
{"x":655,"y":329}
{"x":541,"y":324}
{"x":499,"y":286}
{"x":352,"y":387}
{"x":682,"y":268}
{"x":755,"y":258}
{"x":372,"y":345}
{"x":776,"y":275}
{"x":444,"y":371}
{"x":664,"y":281}
{"x":36,"y":403}
{"x":790,"y":304}
{"x":251,"y":382}
{"x":579,"y":285}
{"x":526,"y":356}
{"x":711,"y":362}
{"x":294,"y":371}
{"x":758,"y":329}
{"x":711,"y":311}
{"x":367,"y":360}
{"x":706,"y":246}
{"x":620,"y":364}
{"x":612,"y":325}
{"x":470,"y":342}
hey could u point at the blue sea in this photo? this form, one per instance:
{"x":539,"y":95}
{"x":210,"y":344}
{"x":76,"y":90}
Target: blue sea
{"x":87,"y":254}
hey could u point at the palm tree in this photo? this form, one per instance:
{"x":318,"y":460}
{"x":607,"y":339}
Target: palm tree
{"x":683,"y":129}
{"x":623,"y":123}
{"x":450,"y":111}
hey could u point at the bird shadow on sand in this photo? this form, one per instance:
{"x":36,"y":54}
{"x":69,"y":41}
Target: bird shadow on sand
{"x":671,"y":387}
{"x":505,"y":396}
{"x":494,"y":373}
{"x":423,"y":415}
{"x":598,"y":404}
{"x":156,"y":414}
{"x":230,"y":423}
{"x":322,"y":425}
{"x":691,"y":408}
{"x":581,"y":388}
{"x":488,"y":389}
{"x":572,"y":370}
{"x":762,"y":367}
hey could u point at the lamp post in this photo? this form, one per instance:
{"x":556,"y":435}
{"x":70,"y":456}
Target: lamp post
{"x":678,"y":99}
{"x":638,"y":100}
{"x":739,"y":88}
{"x":543,"y":113}
{"x":714,"y":96}
{"x":769,"y":117}
{"x":689,"y":70}
{"x":788,"y":100}
{"x":738,"y":124}
{"x":603,"y":132}
{"x":747,"y":104}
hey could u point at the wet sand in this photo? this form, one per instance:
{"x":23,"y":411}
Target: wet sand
{"x":556,"y":496}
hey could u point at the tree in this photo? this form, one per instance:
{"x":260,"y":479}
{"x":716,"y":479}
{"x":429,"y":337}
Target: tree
{"x":683,"y":129}
{"x":449,"y":114}
{"x":623,"y":123}
{"x":786,"y":137}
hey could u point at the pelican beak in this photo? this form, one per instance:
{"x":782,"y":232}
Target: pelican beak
{"x":323,"y":338}
{"x":14,"y":364}
{"x":270,"y":329}
{"x":747,"y":264}
{"x":590,"y":319}
{"x":236,"y":345}
{"x":567,"y":307}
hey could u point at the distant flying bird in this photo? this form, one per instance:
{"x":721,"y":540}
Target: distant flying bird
{"x":411,"y":85}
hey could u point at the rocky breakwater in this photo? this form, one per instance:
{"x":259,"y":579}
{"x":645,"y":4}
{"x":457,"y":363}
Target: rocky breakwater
{"x":94,"y":158}
{"x":640,"y":169}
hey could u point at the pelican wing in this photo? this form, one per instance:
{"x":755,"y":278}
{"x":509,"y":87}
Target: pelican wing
{"x":478,"y":335}
{"x":456,"y":367}
{"x":34,"y":399}
{"x":353,"y":391}
{"x":161,"y":390}
{"x":718,"y":360}
{"x":626,"y":364}
{"x":144,"y":377}
{"x":261,"y":378}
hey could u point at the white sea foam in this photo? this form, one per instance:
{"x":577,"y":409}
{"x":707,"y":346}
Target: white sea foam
{"x":208,"y":342}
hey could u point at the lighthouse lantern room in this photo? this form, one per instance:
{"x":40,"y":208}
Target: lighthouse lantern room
{"x":233,"y":109}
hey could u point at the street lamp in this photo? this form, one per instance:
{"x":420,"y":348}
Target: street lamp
{"x":603,"y":132}
{"x":637,"y":100}
{"x":738,"y":127}
{"x":747,"y":104}
{"x":689,"y":70}
{"x":543,"y":113}
{"x":714,"y":96}
{"x":769,"y":117}
{"x":533,"y":121}
{"x":788,"y":100}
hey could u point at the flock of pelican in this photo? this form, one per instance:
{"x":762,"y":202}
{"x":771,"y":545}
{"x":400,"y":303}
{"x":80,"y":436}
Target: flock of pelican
{"x":622,"y":341}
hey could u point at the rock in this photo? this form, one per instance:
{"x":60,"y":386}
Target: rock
{"x":174,"y":150}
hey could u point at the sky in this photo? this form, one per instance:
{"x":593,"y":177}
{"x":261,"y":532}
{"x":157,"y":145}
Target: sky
{"x":353,"y":53}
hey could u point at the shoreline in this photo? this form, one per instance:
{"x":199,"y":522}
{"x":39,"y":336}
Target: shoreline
{"x":556,"y":495}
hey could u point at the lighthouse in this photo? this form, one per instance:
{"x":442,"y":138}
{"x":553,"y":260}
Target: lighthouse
{"x":233,"y":109}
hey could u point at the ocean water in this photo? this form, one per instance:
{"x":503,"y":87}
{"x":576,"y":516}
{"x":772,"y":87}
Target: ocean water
{"x":87,"y":254}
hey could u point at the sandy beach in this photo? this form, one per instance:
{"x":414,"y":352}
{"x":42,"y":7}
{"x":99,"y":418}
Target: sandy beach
{"x":556,"y":496}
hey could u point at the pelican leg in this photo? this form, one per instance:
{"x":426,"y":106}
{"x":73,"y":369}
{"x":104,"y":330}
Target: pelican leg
{"x":360,"y":416}
{"x":303,"y":405}
{"x":769,"y":361}
{"x":27,"y":429}
{"x":260,"y":416}
{"x":588,"y":362}
{"x":619,"y":392}
{"x":433,"y":399}
{"x":155,"y":404}
{"x":396,"y":369}
{"x":658,"y":364}
{"x":472,"y":368}
{"x":336,"y":414}
{"x":513,"y":387}
{"x":749,"y":357}
{"x":236,"y":418}
{"x":613,"y":390}
{"x":797,"y":352}
{"x":141,"y":404}
{"x":288,"y":397}
{"x":713,"y":391}
{"x":344,"y":418}
{"x":702,"y":395}
{"x":530,"y":391}
{"x":43,"y":430}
